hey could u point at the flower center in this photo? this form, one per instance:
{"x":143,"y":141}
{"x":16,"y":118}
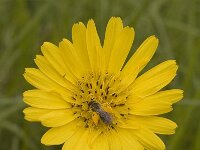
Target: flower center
{"x":100,"y":99}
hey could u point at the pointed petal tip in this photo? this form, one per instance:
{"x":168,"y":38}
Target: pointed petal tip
{"x":152,"y":39}
{"x":115,"y":21}
{"x":44,"y":141}
{"x":81,"y":23}
{"x":175,"y":126}
{"x":61,"y":43}
{"x":45,"y":44}
{"x":78,"y":25}
{"x":129,"y":28}
{"x":130,"y":31}
{"x":114,"y":18}
{"x":65,"y":40}
{"x":38,"y":56}
{"x":181,"y":92}
{"x":181,"y":95}
{"x":25,"y":69}
{"x":153,"y":36}
{"x":24,"y":110}
{"x":25,"y":93}
{"x":170,"y":62}
{"x":90,"y":22}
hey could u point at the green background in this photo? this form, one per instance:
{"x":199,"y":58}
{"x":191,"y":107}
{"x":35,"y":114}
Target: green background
{"x":26,"y":24}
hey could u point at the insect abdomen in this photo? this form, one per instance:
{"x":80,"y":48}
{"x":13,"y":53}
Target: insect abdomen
{"x":105,"y":116}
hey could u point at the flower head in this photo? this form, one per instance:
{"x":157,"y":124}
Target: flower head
{"x":91,"y":100}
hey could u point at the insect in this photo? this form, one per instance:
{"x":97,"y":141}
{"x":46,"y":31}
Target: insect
{"x":105,"y":116}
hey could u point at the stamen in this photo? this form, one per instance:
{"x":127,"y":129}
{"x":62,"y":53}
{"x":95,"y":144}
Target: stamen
{"x":105,"y":90}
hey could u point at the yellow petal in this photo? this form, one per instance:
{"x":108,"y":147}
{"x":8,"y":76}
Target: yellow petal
{"x":35,"y":114}
{"x":149,"y":140}
{"x":155,"y":124}
{"x":121,"y":49}
{"x":50,"y":72}
{"x":155,"y":104}
{"x":94,"y":133}
{"x":113,"y":31}
{"x":71,"y":59}
{"x":83,"y":141}
{"x":43,"y":99}
{"x":93,"y":45}
{"x":139,"y":59}
{"x":79,"y":42}
{"x":39,"y":80}
{"x":78,"y":140}
{"x":54,"y":56}
{"x":114,"y":141}
{"x":101,"y":60}
{"x":100,"y":143}
{"x":147,"y":107}
{"x":128,"y":141}
{"x":172,"y":96}
{"x":59,"y":135}
{"x":57,"y":118}
{"x":36,"y":78}
{"x":155,"y":79}
{"x":129,"y":124}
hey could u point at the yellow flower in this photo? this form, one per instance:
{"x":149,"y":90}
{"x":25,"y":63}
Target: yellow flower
{"x":92,"y":101}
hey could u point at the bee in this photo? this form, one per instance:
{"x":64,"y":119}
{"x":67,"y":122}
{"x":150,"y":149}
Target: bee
{"x":105,"y":116}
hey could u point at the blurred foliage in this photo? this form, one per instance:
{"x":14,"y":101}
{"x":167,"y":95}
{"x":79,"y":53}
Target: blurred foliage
{"x":26,"y":24}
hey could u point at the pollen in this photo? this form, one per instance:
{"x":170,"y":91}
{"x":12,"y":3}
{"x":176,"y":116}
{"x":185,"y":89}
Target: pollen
{"x":106,"y":90}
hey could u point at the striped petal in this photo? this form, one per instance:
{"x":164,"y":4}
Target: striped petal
{"x":50,"y":72}
{"x":43,"y":99}
{"x":101,"y":142}
{"x":121,"y":49}
{"x":53,"y":55}
{"x":35,"y":114}
{"x":129,"y":142}
{"x":158,"y":125}
{"x":95,"y":51}
{"x":36,"y":78}
{"x":139,"y":59}
{"x":77,"y":141}
{"x":149,"y":140}
{"x":147,"y":107}
{"x":79,"y":42}
{"x":155,"y":79}
{"x":114,"y":141}
{"x":155,"y":104}
{"x":57,"y":118}
{"x":172,"y":96}
{"x":113,"y":30}
{"x":71,"y":59}
{"x":59,"y":135}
